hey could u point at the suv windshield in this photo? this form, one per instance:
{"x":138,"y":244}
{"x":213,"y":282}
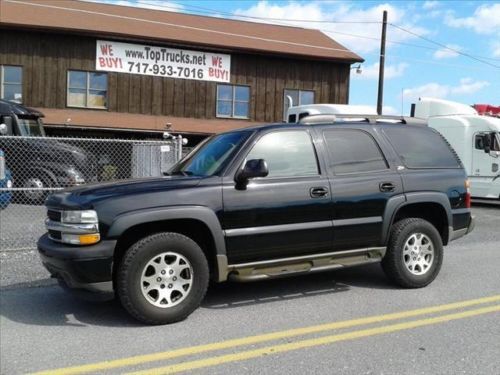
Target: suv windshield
{"x":31,"y":127}
{"x":212,"y":155}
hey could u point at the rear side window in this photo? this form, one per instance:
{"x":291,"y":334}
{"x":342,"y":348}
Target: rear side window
{"x":422,"y":148}
{"x":353,"y":151}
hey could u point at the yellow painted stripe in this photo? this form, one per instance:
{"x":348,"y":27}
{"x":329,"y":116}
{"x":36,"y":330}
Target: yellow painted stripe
{"x":140,"y":359}
{"x":249,"y":354}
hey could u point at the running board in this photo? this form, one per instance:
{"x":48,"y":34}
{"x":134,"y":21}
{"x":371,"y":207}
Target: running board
{"x":304,"y":264}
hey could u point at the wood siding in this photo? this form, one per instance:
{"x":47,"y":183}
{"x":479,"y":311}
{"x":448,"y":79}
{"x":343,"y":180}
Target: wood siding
{"x":46,"y":59}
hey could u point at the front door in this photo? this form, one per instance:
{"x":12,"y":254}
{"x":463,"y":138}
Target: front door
{"x":485,"y":168}
{"x":361,"y":183}
{"x":284,"y":214}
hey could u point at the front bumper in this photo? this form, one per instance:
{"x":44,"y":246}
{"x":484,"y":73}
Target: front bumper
{"x":456,"y":234}
{"x":79,"y":267}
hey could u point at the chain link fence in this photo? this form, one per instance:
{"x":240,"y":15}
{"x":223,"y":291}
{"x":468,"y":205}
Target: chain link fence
{"x":33,"y":167}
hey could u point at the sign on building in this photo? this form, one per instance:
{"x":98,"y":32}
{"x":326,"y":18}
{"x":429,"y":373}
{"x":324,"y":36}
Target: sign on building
{"x":162,"y":61}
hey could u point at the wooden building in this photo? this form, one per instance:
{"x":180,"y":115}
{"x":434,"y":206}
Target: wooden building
{"x":88,"y":65}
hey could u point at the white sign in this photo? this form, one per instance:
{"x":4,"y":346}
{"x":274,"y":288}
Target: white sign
{"x":162,"y":61}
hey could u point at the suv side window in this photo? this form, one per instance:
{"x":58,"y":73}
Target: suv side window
{"x":353,"y":151}
{"x":422,"y":147}
{"x":287,"y":154}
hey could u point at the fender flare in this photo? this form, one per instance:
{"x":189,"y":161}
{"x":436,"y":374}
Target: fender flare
{"x":200,"y":213}
{"x":396,"y":203}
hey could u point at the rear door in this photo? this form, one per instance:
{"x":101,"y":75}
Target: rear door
{"x":362,"y":182}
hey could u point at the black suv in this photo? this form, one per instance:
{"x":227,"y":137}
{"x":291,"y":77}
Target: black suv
{"x":264,"y":202}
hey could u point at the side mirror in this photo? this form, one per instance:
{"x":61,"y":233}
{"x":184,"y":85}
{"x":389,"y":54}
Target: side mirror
{"x":6,"y":125}
{"x":252,"y":168}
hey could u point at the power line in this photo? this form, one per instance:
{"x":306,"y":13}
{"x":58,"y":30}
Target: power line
{"x":444,"y":46}
{"x":434,"y":62}
{"x":179,"y":26}
{"x":213,"y":11}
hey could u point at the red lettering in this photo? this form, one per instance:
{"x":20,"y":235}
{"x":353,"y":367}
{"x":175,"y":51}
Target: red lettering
{"x":106,"y":49}
{"x":102,"y":63}
{"x":216,"y":61}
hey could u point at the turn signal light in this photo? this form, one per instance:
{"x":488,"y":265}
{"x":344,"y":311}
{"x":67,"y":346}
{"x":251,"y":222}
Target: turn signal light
{"x":89,"y":239}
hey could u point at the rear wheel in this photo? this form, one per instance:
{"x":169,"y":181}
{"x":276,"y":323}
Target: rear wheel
{"x":414,"y":254}
{"x":162,"y":278}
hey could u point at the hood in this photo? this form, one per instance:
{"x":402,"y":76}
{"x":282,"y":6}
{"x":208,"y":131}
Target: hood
{"x":86,"y":196}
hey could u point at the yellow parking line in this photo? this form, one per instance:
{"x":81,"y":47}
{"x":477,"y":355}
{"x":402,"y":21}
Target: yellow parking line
{"x":140,"y":359}
{"x":240,"y":356}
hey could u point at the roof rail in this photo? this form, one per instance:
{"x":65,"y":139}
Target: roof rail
{"x":371,"y":119}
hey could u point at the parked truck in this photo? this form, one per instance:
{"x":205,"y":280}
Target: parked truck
{"x":37,"y":164}
{"x":475,"y":138}
{"x":263,"y":202}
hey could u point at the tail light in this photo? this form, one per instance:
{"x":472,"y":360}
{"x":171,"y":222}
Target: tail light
{"x":467,"y":194}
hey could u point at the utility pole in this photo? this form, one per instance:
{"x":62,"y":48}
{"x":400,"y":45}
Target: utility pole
{"x":380,"y":97}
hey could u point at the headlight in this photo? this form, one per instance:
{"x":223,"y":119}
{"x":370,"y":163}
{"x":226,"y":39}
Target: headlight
{"x":9,"y":184}
{"x":79,"y":217}
{"x":74,"y":227}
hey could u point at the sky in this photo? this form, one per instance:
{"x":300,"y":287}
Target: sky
{"x":442,"y":49}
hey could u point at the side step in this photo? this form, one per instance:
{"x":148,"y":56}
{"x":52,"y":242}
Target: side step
{"x":304,"y":264}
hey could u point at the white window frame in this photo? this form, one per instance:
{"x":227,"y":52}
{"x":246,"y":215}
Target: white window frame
{"x":87,"y":90}
{"x":233,"y":101}
{"x":285,"y":99}
{"x":3,"y":83}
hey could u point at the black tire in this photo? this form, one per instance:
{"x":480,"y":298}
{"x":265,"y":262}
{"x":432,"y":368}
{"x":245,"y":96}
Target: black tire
{"x":393,"y":263}
{"x":132,"y":266}
{"x":38,"y":198}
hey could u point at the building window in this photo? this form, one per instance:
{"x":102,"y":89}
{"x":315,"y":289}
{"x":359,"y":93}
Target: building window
{"x":233,"y":101}
{"x":11,"y":83}
{"x":299,"y":97}
{"x":87,"y":89}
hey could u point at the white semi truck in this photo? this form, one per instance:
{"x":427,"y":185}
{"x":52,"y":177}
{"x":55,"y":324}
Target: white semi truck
{"x":475,"y":138}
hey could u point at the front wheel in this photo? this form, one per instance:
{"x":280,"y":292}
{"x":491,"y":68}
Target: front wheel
{"x":162,"y":278}
{"x":414,"y":254}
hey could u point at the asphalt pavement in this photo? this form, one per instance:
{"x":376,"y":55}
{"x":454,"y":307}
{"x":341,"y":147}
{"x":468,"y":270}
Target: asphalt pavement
{"x":350,"y":321}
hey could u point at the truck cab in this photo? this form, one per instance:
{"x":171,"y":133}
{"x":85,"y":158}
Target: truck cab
{"x":37,"y":163}
{"x":475,"y":138}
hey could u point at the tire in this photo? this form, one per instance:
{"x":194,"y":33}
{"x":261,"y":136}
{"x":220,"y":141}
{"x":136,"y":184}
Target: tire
{"x":34,"y":182}
{"x":414,"y":254}
{"x":162,"y":278}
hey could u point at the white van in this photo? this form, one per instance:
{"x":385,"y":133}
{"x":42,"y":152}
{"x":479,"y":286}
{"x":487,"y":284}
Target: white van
{"x":475,"y":138}
{"x":297,"y":113}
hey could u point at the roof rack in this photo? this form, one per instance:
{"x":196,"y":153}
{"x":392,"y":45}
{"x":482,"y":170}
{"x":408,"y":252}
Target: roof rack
{"x":370,"y":119}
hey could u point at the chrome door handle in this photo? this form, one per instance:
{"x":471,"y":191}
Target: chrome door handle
{"x":318,"y":192}
{"x":387,"y":187}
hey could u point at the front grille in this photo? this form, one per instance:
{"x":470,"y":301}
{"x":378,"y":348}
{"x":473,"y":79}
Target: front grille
{"x":54,"y":215}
